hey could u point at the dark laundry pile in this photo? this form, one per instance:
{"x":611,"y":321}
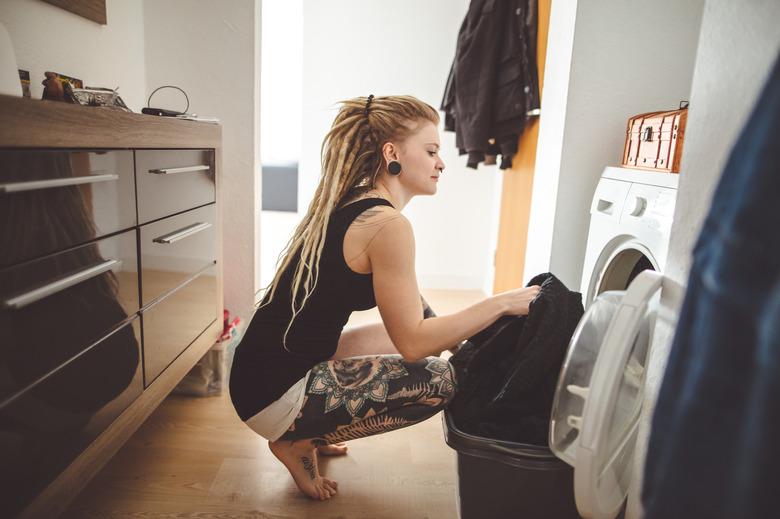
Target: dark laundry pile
{"x":507,"y":373}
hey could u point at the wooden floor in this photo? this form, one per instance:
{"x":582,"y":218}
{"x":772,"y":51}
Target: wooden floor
{"x":194,"y":458}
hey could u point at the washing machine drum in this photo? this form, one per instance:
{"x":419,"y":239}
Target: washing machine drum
{"x":620,"y":266}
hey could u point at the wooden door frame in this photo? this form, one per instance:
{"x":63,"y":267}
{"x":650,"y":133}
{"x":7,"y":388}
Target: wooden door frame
{"x":518,"y":184}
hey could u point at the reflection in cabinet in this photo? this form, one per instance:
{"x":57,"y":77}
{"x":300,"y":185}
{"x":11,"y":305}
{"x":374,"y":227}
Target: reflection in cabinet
{"x":170,"y":181}
{"x":53,"y":199}
{"x":44,"y":428}
{"x":175,"y":248}
{"x":171,"y":324}
{"x":54,"y":307}
{"x":77,"y":209}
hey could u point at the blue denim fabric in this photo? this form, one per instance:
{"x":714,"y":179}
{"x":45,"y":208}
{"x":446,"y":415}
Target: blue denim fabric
{"x":714,"y":449}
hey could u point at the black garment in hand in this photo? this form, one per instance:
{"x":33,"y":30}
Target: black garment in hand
{"x":507,"y":373}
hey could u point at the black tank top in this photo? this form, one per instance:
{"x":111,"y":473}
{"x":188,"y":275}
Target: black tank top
{"x":262,"y":368}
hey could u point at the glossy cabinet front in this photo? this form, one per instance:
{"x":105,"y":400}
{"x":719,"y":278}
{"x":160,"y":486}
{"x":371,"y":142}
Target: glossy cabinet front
{"x":172,"y":323}
{"x":107,"y":274}
{"x":175,"y":248}
{"x":171,"y":181}
{"x":54,"y":307}
{"x":54,"y":199}
{"x":47,"y":426}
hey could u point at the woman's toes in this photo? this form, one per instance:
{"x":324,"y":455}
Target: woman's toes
{"x":324,"y":492}
{"x":332,"y":486}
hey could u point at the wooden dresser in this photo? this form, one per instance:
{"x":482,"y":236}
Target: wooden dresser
{"x":110,"y":285}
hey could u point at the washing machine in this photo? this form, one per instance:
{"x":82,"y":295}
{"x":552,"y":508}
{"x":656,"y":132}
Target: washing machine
{"x":630,"y":222}
{"x":601,"y":388}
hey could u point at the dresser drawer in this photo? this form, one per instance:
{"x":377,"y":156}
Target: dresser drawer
{"x":175,"y":248}
{"x":53,"y":308}
{"x":44,"y":428}
{"x":171,"y":181}
{"x":51,"y":200}
{"x":171,"y":324}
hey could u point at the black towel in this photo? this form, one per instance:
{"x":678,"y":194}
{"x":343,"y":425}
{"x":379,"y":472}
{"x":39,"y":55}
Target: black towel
{"x":507,"y":372}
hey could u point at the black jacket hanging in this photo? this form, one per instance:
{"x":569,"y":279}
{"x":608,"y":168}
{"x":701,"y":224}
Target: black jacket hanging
{"x":492,"y":89}
{"x":507,"y":373}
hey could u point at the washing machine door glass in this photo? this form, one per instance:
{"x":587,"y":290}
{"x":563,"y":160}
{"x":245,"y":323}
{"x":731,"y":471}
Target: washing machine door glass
{"x":574,"y":380}
{"x":598,"y":401}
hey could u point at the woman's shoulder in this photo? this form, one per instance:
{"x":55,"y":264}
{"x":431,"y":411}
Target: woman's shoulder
{"x":392,"y":228}
{"x":379,"y":216}
{"x":355,"y":199}
{"x":372,"y":214}
{"x":374,"y":223}
{"x":392,"y":247}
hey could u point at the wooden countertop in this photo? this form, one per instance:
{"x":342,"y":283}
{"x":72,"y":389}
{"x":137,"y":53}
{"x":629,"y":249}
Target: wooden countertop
{"x":32,"y":123}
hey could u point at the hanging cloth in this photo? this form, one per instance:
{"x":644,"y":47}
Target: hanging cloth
{"x":492,"y":89}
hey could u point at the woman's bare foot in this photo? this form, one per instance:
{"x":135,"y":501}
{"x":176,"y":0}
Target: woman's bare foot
{"x":300,"y":458}
{"x":337,"y":449}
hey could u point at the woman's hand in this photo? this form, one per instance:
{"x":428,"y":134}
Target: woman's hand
{"x":517,"y":301}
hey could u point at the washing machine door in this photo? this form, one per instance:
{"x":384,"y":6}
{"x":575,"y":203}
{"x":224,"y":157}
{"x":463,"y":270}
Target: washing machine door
{"x":598,"y":402}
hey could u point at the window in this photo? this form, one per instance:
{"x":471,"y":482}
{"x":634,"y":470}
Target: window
{"x":280,"y":103}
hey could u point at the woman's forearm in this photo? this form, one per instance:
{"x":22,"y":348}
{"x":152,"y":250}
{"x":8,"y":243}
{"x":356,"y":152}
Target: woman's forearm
{"x":436,"y":334}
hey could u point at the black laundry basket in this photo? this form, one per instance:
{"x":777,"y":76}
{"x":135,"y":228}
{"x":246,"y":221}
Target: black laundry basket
{"x":503,"y":480}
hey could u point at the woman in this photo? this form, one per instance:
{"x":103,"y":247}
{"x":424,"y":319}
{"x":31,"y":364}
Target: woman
{"x":296,"y":379}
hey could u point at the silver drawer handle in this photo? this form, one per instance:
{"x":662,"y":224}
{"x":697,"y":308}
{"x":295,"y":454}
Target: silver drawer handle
{"x":186,"y":169}
{"x":59,"y":285}
{"x":182,"y":233}
{"x":15,"y":187}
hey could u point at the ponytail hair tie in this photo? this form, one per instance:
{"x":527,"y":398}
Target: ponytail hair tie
{"x":368,"y":103}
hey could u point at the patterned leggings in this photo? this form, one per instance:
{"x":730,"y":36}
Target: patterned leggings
{"x":361,"y":396}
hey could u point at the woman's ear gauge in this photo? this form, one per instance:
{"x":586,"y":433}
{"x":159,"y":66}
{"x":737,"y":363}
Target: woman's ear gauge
{"x":394,"y":167}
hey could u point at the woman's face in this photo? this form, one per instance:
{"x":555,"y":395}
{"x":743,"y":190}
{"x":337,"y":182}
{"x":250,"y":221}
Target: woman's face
{"x":420,"y":161}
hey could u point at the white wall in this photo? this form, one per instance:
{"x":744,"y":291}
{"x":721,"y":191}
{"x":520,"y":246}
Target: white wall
{"x":211,"y":50}
{"x":606,"y":61}
{"x":737,"y":47}
{"x":557,"y":71}
{"x":356,"y":48}
{"x":47,"y":38}
{"x":492,"y":232}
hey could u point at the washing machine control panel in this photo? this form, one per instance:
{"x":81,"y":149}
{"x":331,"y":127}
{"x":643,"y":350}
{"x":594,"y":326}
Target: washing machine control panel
{"x":650,"y":206}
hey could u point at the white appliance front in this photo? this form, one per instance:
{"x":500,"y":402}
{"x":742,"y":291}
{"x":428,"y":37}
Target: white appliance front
{"x":630,"y":223}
